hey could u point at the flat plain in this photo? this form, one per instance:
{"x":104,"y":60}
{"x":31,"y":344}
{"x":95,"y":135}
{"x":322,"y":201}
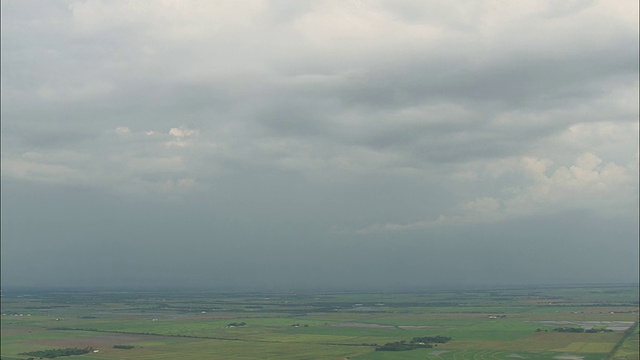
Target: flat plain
{"x":504,"y":323}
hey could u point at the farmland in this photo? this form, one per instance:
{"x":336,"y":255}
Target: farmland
{"x":507,"y":323}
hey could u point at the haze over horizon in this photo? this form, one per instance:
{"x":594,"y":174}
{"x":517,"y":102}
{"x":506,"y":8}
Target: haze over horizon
{"x":326,"y":144}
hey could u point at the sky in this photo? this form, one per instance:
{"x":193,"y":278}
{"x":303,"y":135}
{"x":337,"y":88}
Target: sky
{"x":279,"y":145}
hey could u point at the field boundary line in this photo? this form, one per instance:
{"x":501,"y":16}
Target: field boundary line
{"x":630,"y":331}
{"x":198,"y":337}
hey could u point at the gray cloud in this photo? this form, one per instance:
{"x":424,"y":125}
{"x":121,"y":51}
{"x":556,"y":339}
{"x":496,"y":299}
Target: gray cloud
{"x":288,"y":130}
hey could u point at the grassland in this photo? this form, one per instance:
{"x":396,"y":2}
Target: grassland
{"x":508,"y":324}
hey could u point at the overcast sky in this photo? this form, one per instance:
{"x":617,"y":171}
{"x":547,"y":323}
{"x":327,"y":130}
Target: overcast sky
{"x":319,"y":144}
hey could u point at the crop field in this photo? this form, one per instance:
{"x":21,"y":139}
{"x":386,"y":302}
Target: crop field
{"x":570,"y":323}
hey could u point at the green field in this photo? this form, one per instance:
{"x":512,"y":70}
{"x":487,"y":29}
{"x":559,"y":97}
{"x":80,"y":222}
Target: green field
{"x":508,"y":324}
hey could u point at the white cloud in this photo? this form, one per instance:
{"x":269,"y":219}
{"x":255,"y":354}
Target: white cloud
{"x":587,"y":184}
{"x":134,"y":162}
{"x":183,"y":137}
{"x":182,"y":132}
{"x":123,"y":130}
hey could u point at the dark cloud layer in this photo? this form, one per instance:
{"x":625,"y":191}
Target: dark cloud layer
{"x":318,"y":144}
